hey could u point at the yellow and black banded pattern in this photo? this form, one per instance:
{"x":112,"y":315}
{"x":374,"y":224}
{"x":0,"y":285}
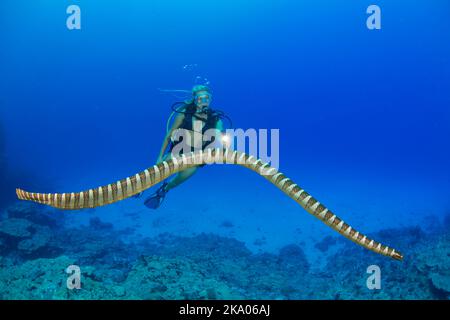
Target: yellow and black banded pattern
{"x":141,"y":181}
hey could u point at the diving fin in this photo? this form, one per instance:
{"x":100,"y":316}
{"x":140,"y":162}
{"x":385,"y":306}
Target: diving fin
{"x":155,"y":200}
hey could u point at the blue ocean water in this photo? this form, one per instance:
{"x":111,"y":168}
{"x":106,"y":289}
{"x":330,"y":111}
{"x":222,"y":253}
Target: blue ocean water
{"x":363,"y":116}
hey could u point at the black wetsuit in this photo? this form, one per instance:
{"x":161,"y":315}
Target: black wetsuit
{"x":210,"y":122}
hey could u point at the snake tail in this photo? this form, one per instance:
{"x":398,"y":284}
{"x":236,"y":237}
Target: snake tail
{"x":141,"y":181}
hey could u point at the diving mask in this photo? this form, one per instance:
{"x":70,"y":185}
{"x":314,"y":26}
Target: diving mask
{"x":203,"y":99}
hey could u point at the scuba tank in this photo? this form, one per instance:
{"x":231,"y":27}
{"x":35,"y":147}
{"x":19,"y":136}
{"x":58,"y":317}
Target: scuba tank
{"x":181,"y":106}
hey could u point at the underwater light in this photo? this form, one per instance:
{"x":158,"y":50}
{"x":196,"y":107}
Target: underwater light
{"x":225,"y":140}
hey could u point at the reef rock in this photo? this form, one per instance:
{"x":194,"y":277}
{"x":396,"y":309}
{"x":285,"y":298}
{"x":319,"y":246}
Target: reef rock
{"x":22,"y":237}
{"x":293,"y":255}
{"x":97,"y":224}
{"x":39,"y":240}
{"x":326,"y":243}
{"x":441,"y":282}
{"x":31,"y":212}
{"x":47,"y":279}
{"x":170,"y":278}
{"x":36,"y":279}
{"x":434,"y":261}
{"x":16,"y":228}
{"x":202,"y":246}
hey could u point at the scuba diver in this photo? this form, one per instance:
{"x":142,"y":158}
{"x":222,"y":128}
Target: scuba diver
{"x":196,"y":116}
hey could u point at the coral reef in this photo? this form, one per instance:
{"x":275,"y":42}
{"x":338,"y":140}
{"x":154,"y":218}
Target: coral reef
{"x":436,"y":263}
{"x":326,"y":243}
{"x":40,"y":239}
{"x":227,"y":224}
{"x":36,"y":214}
{"x":411,"y":279}
{"x":37,"y":248}
{"x":171,"y":278}
{"x":25,"y":238}
{"x":15,"y":228}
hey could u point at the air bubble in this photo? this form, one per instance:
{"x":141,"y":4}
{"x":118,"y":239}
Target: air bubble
{"x":189,"y":67}
{"x":202,"y":81}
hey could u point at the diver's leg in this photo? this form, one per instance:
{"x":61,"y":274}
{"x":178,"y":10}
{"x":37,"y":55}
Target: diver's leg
{"x":180,"y":177}
{"x":154,"y":201}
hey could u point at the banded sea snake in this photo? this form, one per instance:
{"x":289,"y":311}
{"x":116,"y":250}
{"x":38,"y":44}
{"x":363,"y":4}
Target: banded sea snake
{"x":141,"y":181}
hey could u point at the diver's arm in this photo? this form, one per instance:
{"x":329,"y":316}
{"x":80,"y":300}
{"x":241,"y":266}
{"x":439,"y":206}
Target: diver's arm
{"x":219,"y":125}
{"x":176,"y":124}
